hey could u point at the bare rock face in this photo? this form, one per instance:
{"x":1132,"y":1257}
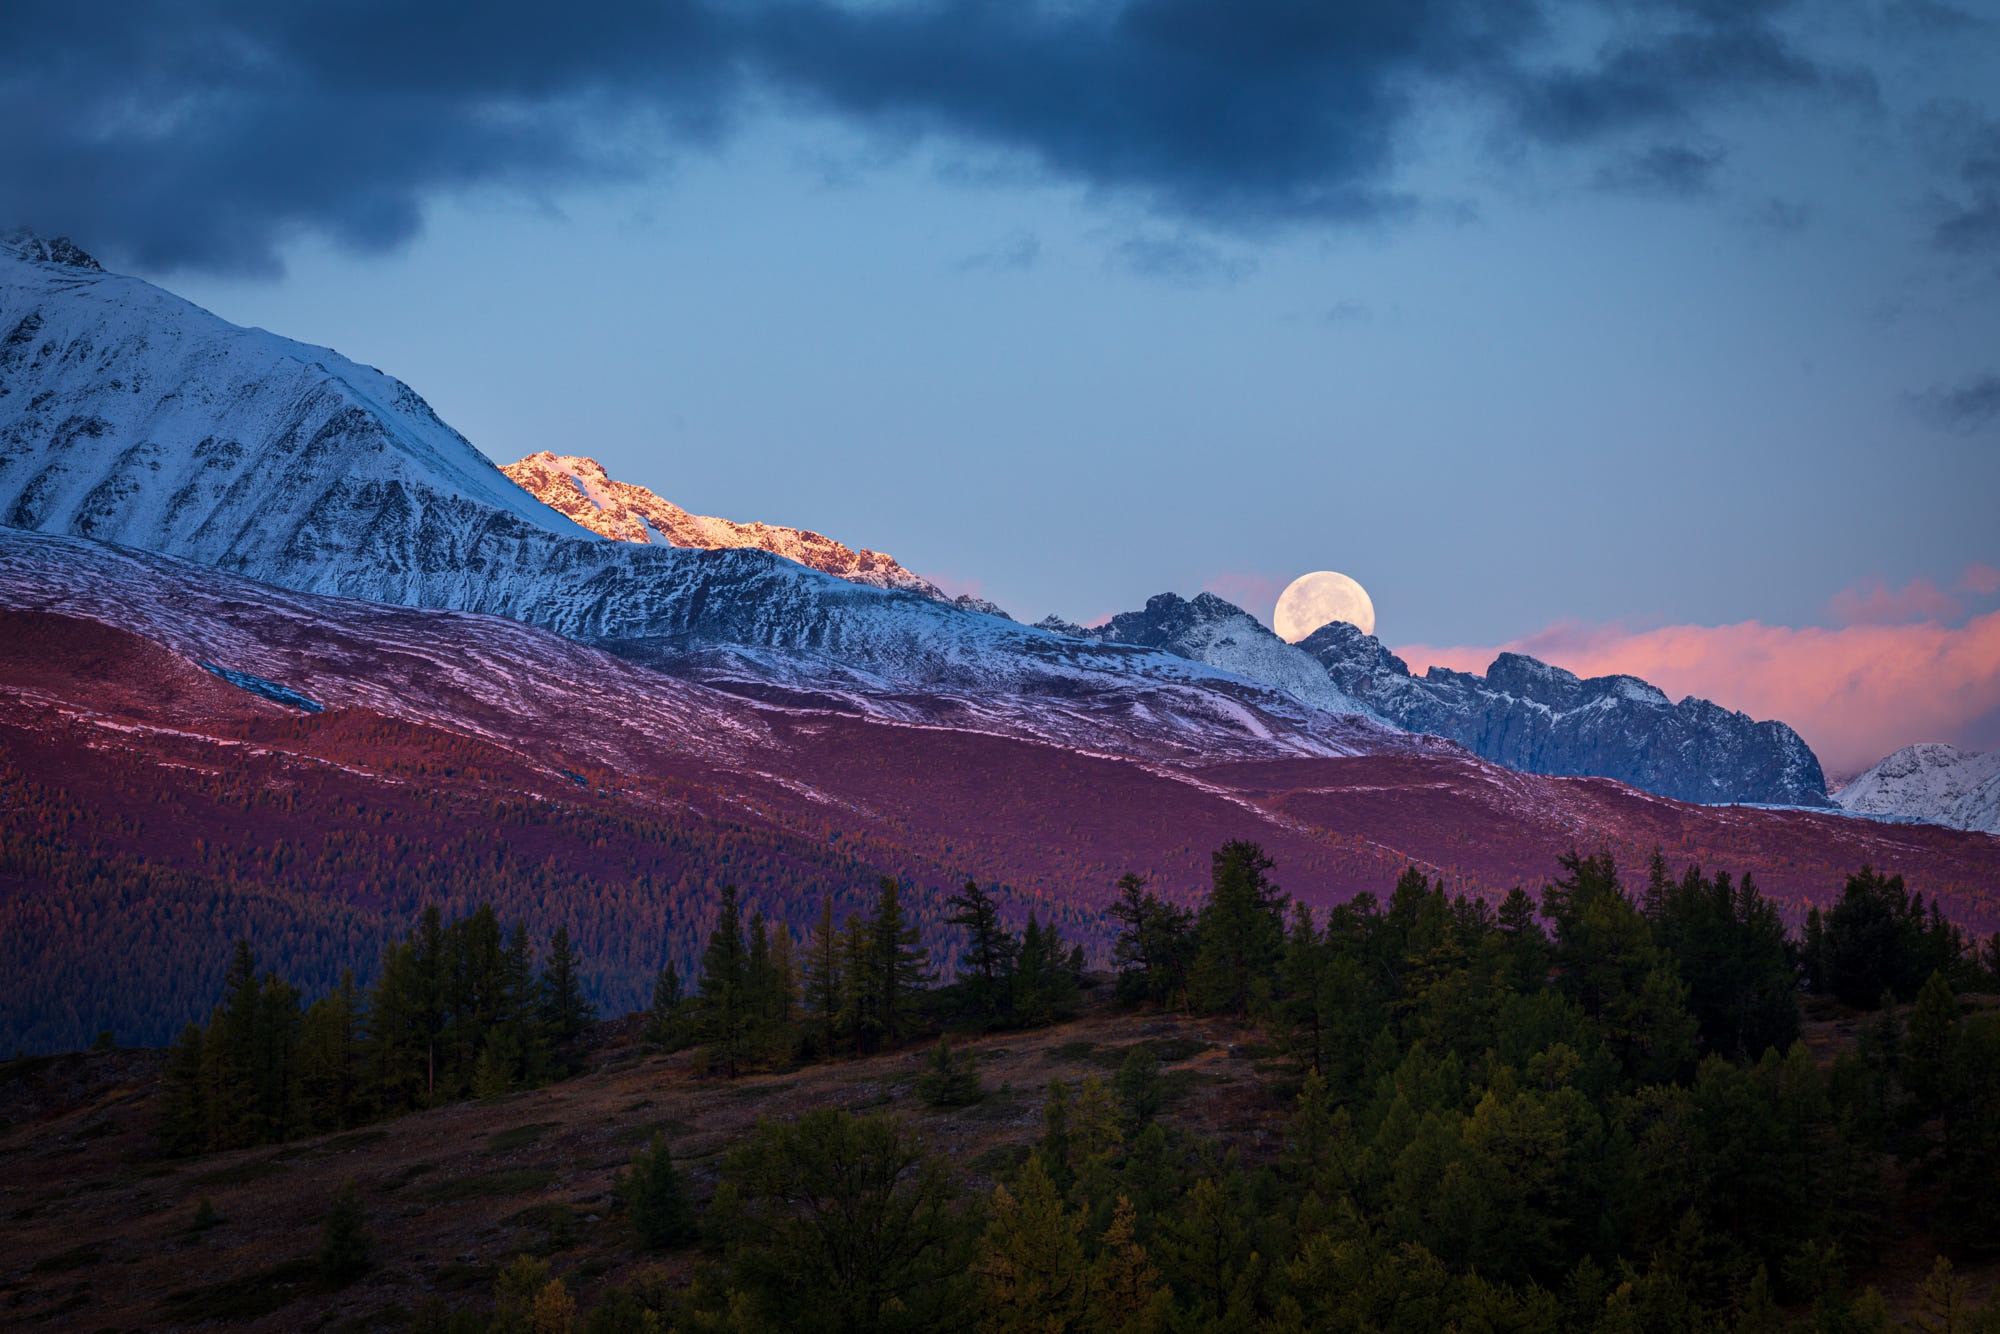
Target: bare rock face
{"x":1530,"y":716}
{"x":580,"y":489}
{"x":1931,"y":783}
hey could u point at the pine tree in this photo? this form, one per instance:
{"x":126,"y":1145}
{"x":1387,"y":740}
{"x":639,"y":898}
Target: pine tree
{"x":565,"y":1010}
{"x":725,"y":1013}
{"x":984,"y":968}
{"x":666,"y":1017}
{"x":860,"y":998}
{"x":1240,"y":931}
{"x":1032,"y":1270}
{"x":329,"y":1059}
{"x":656,"y":1196}
{"x":824,"y":989}
{"x":346,"y":1248}
{"x":948,"y":1079}
{"x":183,"y":1096}
{"x":898,"y":957}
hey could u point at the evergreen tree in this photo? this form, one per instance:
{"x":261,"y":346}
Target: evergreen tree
{"x":346,"y":1248}
{"x":725,"y":1001}
{"x":1240,"y":931}
{"x":984,"y":968}
{"x":898,"y":960}
{"x":948,"y":1079}
{"x":329,"y":1059}
{"x":666,"y":1016}
{"x":655,"y":1195}
{"x":861,"y":981}
{"x":183,"y":1096}
{"x":824,"y":983}
{"x":1045,"y":983}
{"x":565,"y":1010}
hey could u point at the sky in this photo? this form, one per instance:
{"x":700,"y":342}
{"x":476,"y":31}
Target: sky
{"x":1658,"y":336}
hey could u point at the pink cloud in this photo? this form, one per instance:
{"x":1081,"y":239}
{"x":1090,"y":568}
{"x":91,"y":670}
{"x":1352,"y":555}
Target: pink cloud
{"x":1873,"y":602}
{"x":1855,"y":692}
{"x":1979,"y":579}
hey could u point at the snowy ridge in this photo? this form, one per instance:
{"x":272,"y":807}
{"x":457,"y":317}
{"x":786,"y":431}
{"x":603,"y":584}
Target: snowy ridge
{"x":1935,"y":783}
{"x":128,"y":415}
{"x":1537,"y":718}
{"x":1223,"y":635}
{"x":580,"y":489}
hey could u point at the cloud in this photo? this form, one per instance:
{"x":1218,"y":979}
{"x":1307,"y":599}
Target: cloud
{"x":1679,"y":170}
{"x":1967,"y":144}
{"x":208,"y":133}
{"x":1187,"y":260}
{"x":1873,"y":602}
{"x":1970,"y":405}
{"x":1013,"y":253}
{"x":1855,"y":693}
{"x":1979,"y":579}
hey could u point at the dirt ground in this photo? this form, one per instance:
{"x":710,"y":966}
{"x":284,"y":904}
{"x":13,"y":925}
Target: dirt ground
{"x":96,"y":1230}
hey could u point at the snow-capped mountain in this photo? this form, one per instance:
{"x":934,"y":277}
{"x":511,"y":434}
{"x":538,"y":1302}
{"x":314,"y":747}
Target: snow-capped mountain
{"x":1223,"y":635}
{"x":1935,"y":783}
{"x":581,"y":490}
{"x":1524,"y":713}
{"x":130,"y":416}
{"x":1530,"y":716}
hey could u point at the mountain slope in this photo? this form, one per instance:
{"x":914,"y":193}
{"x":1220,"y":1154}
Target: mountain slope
{"x":160,"y":796}
{"x":1935,"y":783}
{"x":1530,"y":716}
{"x":581,"y":490}
{"x":128,"y":415}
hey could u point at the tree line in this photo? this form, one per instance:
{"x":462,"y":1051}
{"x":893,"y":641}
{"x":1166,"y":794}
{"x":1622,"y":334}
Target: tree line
{"x":1586,"y":1110}
{"x":460,"y":1009}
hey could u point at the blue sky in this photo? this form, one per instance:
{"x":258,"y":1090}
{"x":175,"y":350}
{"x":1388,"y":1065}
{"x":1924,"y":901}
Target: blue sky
{"x":1641,"y":313}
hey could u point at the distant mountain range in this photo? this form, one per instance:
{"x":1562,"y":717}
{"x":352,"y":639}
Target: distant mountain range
{"x":1523,"y":713}
{"x":260,"y":607}
{"x":1935,"y":783}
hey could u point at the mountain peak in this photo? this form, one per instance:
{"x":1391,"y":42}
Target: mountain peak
{"x":579,"y":488}
{"x":49,"y":250}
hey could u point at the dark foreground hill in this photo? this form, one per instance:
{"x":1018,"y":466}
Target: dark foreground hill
{"x":98,"y":1232}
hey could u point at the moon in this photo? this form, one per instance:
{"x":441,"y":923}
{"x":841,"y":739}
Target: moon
{"x":1320,"y":598}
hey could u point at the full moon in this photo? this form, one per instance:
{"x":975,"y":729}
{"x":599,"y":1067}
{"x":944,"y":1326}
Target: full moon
{"x":1319,"y":599}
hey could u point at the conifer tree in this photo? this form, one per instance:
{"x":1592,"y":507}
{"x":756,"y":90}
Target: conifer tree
{"x":990,"y":952}
{"x":824,"y":989}
{"x":566,"y":1011}
{"x":899,"y":963}
{"x":656,"y":1197}
{"x":666,"y":1016}
{"x":346,"y":1248}
{"x":725,"y":1013}
{"x":329,"y":1059}
{"x":1033,"y":1273}
{"x":861,"y":995}
{"x":949,"y":1079}
{"x":1240,"y":931}
{"x":183,"y":1096}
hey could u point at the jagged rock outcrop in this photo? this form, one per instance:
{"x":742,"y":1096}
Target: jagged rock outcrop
{"x":581,"y":490}
{"x":1221,"y":634}
{"x":1932,"y":782}
{"x":1528,"y":715}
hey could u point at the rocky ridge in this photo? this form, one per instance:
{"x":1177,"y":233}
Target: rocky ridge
{"x":581,"y":490}
{"x":1931,"y":782}
{"x":1523,"y":713}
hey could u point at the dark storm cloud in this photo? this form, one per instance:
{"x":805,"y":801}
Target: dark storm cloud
{"x":1968,"y":207}
{"x":1970,"y":405}
{"x":1665,"y":169}
{"x":207,"y":132}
